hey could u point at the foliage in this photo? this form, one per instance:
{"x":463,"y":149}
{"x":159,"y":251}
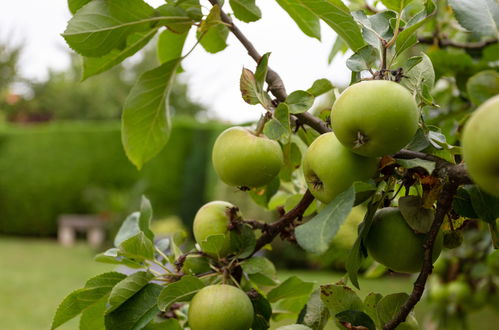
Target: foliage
{"x":64,"y":96}
{"x":388,"y":41}
{"x":58,"y":170}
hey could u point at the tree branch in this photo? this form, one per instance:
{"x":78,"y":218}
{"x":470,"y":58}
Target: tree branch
{"x":455,"y":44}
{"x":275,"y":228}
{"x":444,"y":203}
{"x":276,"y":85}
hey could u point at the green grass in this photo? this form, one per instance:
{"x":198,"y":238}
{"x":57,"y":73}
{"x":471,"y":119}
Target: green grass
{"x":35,"y":275}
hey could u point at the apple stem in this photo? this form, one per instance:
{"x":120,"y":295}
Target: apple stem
{"x":261,"y":123}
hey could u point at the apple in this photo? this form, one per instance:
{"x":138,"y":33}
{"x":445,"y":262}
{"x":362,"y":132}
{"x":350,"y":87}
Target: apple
{"x":459,"y":291}
{"x":243,"y":159}
{"x":480,"y":144}
{"x":375,"y":118}
{"x":493,"y":262}
{"x":330,"y":168}
{"x":213,"y":219}
{"x":393,"y":243}
{"x":220,"y":307}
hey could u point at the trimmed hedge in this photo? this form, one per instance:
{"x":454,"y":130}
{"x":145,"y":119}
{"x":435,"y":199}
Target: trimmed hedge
{"x":46,"y":169}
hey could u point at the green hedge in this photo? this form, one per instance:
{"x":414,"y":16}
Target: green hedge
{"x":46,"y":170}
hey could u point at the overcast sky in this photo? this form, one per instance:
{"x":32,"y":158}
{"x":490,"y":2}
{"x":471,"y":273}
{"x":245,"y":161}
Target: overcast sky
{"x":213,"y":79}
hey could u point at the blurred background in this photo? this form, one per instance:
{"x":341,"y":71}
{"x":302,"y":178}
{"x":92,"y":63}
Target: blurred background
{"x":61,"y":154}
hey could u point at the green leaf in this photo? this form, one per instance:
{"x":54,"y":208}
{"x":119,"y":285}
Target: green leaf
{"x":292,"y":287}
{"x":101,"y":26}
{"x":246,"y":10}
{"x":262,"y":196}
{"x":320,"y":86}
{"x":358,"y":252}
{"x":315,"y":314}
{"x":339,"y":46}
{"x":242,"y":241}
{"x":146,"y":217}
{"x":305,"y":18}
{"x":370,"y":303}
{"x":78,"y":300}
{"x":248,"y":87}
{"x":137,"y":311}
{"x":274,"y":130}
{"x":299,"y":101}
{"x":175,"y":18}
{"x":163,"y":324}
{"x":261,"y":71}
{"x":363,"y":59}
{"x":340,"y":298}
{"x":146,"y":120}
{"x":338,"y":17}
{"x":281,"y":114}
{"x":170,"y":45}
{"x":396,"y":5}
{"x":125,"y":289}
{"x":180,"y":291}
{"x":485,"y":205}
{"x":259,"y":265}
{"x":192,"y":7}
{"x":213,"y":244}
{"x":134,"y":43}
{"x":75,"y":5}
{"x":428,"y":165}
{"x":420,"y":76}
{"x":356,"y":319}
{"x":212,"y":34}
{"x":129,"y":228}
{"x":92,"y":318}
{"x":478,"y":16}
{"x":407,"y":38}
{"x":262,"y":311}
{"x":389,"y":306}
{"x":483,"y":86}
{"x":138,"y":247}
{"x":415,"y":215}
{"x":316,"y":235}
{"x":461,"y":204}
{"x":250,"y":91}
{"x":112,"y":256}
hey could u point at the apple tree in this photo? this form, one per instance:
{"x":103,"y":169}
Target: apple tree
{"x":414,"y":139}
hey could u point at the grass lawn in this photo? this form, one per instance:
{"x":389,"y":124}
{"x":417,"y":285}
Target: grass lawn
{"x":35,"y":275}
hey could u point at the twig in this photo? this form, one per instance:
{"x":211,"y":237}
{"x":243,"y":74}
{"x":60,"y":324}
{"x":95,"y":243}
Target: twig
{"x":275,"y":228}
{"x":276,"y":85}
{"x":444,"y":204}
{"x":455,"y":44}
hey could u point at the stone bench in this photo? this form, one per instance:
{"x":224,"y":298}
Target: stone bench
{"x":70,"y":224}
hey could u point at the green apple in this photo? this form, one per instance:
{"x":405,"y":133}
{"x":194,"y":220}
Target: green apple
{"x":330,"y":168}
{"x":213,"y":219}
{"x":243,"y":159}
{"x":221,"y":307}
{"x":481,"y":146}
{"x":493,"y":262}
{"x":375,"y":118}
{"x":393,"y":243}
{"x":439,"y":292}
{"x":459,"y":291}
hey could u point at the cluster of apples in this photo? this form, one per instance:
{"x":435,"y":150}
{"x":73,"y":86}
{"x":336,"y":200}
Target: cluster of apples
{"x":217,"y":306}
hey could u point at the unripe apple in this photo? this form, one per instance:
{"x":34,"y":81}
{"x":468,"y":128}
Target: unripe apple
{"x":481,"y":146}
{"x":375,"y":118}
{"x":213,"y":219}
{"x":330,"y":168}
{"x":393,"y":243}
{"x":243,"y":159}
{"x":459,"y":291}
{"x":221,"y":307}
